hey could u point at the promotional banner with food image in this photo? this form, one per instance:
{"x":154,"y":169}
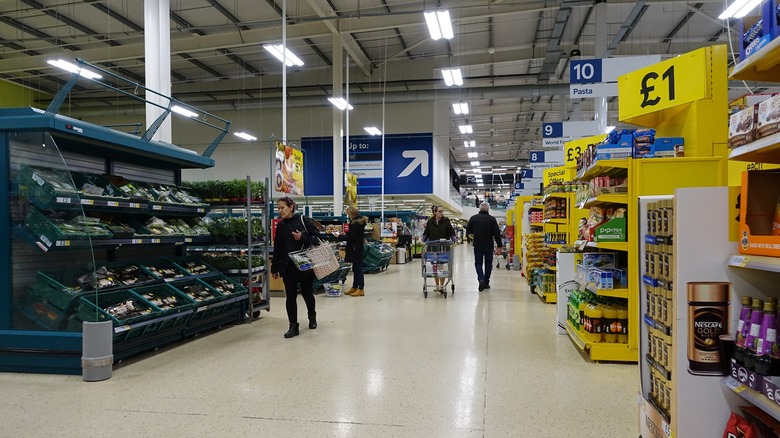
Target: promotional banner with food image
{"x":288,"y":176}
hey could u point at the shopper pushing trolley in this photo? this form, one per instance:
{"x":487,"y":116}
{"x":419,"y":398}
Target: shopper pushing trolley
{"x":437,"y":264}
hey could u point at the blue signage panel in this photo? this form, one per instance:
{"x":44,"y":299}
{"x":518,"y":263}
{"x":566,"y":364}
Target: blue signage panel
{"x":519,"y":186}
{"x":552,"y":130}
{"x":585,"y":71}
{"x":407,"y":167}
{"x":527,"y":173}
{"x":536,"y":157}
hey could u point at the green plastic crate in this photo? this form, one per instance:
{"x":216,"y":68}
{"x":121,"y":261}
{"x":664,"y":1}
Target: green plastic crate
{"x":195,"y":266}
{"x":175,"y":305}
{"x":164,"y":269}
{"x":226,"y":285}
{"x":44,"y":185}
{"x":50,"y":229}
{"x":207,"y":299}
{"x":125,"y":327}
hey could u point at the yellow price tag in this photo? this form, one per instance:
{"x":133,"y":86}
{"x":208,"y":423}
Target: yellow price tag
{"x":572,"y":153}
{"x":740,"y":261}
{"x":676,"y":81}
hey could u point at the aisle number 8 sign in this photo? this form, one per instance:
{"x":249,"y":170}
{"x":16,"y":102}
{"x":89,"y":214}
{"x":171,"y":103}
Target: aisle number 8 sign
{"x":667,"y":84}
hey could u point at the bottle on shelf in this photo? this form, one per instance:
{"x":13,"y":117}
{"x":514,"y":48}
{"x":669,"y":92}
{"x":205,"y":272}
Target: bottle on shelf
{"x":766,"y":364}
{"x":622,"y":316}
{"x":742,"y":330}
{"x":610,"y":324}
{"x":756,"y":316}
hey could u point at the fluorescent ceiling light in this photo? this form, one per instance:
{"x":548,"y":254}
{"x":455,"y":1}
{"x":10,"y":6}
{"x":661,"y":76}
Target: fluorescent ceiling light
{"x":452,"y":76}
{"x":747,"y":8}
{"x":245,"y":136}
{"x":475,"y":163}
{"x":480,"y":185}
{"x":466,"y":129}
{"x":469,"y":143}
{"x":477,"y":171}
{"x":460,"y":108}
{"x":732,"y":10}
{"x":73,"y":68}
{"x":439,"y":24}
{"x":340,"y":103}
{"x":183,"y":111}
{"x":473,"y":155}
{"x":372,"y":130}
{"x":283,"y":54}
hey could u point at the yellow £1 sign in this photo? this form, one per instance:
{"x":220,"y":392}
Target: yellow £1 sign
{"x":676,"y":81}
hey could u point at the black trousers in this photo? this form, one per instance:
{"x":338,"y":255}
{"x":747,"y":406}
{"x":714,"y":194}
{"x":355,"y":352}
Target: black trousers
{"x":291,"y":279}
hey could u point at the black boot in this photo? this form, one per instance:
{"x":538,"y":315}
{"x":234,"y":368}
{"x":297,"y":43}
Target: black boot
{"x":293,"y":331}
{"x":313,"y":322}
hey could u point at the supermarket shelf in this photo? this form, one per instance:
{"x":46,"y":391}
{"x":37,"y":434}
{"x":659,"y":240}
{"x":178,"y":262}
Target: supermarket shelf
{"x":618,"y":198}
{"x":764,"y":65}
{"x":601,"y":350}
{"x":554,"y":245}
{"x":71,"y":202}
{"x":562,"y":221}
{"x":46,"y":244}
{"x":754,"y":397}
{"x":616,"y":293}
{"x":763,"y":150}
{"x":613,"y":246}
{"x":560,"y":195}
{"x":761,"y":263}
{"x":604,"y":168}
{"x":537,"y":224}
{"x":224,"y":248}
{"x":550,"y":268}
{"x":536,"y":207}
{"x":548,"y":297}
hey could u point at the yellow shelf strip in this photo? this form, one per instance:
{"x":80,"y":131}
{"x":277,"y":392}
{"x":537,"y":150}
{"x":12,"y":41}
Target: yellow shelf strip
{"x":537,"y":224}
{"x":621,"y":198}
{"x":547,"y":297}
{"x":556,"y":195}
{"x":602,"y":350}
{"x":616,"y":293}
{"x":761,"y":263}
{"x":612,"y":246}
{"x":603,"y":168}
{"x":556,"y":221}
{"x":763,"y":150}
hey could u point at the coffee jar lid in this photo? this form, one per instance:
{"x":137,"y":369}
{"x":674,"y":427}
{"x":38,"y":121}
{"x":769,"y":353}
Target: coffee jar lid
{"x":716,"y":291}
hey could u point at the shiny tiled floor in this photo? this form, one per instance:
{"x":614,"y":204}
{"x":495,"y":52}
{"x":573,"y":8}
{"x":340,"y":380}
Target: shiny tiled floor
{"x":390,"y":364}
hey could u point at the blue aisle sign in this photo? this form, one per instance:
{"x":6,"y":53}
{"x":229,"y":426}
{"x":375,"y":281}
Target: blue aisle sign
{"x":408,"y":164}
{"x":585,"y":71}
{"x":527,"y":173}
{"x":552,"y":130}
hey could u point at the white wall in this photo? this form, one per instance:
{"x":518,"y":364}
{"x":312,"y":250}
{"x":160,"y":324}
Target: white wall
{"x":236,"y":158}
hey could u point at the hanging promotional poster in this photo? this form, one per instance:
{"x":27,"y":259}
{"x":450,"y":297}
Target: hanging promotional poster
{"x":350,"y":189}
{"x":288,"y":176}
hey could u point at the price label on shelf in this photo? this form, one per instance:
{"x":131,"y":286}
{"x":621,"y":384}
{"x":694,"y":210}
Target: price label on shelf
{"x":135,"y":205}
{"x":61,"y":200}
{"x":137,"y":241}
{"x":735,"y":385}
{"x":201,"y":210}
{"x":676,"y":81}
{"x":63,"y":243}
{"x":188,"y":240}
{"x":113,"y":204}
{"x":740,"y":261}
{"x":87,"y":202}
{"x":155,"y":240}
{"x":156,"y":207}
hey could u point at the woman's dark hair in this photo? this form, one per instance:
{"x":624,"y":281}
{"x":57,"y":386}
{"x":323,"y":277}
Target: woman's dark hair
{"x":434,"y":207}
{"x":287,"y":201}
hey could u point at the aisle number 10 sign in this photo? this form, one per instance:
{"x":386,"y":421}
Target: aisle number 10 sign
{"x":676,"y":81}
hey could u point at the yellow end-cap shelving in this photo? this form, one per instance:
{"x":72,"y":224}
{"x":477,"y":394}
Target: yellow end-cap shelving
{"x":763,"y":150}
{"x":620,"y":198}
{"x":601,"y":350}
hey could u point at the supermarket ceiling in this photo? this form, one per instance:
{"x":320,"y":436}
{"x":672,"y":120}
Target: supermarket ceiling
{"x":514,"y":55}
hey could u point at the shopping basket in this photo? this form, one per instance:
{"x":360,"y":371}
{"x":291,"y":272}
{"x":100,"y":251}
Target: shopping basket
{"x":320,"y":258}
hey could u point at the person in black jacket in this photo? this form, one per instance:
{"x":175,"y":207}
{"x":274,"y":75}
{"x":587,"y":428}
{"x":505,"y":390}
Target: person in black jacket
{"x":354,"y":250}
{"x":484,"y":230}
{"x":438,"y":228}
{"x":293,"y":233}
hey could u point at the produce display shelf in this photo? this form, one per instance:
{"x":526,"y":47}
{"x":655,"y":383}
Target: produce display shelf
{"x":224,"y":248}
{"x":46,"y":245}
{"x":602,"y":350}
{"x":71,"y":202}
{"x":764,"y":65}
{"x":616,"y":293}
{"x":562,"y":221}
{"x":761,"y":263}
{"x":160,"y":208}
{"x":618,"y":198}
{"x":754,"y":397}
{"x":604,"y":168}
{"x":763,"y":150}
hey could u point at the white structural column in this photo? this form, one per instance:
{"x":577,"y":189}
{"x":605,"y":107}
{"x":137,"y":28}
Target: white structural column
{"x":157,"y":62}
{"x":600,"y":106}
{"x":338,"y":144}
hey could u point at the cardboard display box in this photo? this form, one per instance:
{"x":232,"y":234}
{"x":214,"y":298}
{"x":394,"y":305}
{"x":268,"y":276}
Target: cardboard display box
{"x":758,"y":202}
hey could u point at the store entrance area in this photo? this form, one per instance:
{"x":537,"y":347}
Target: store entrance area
{"x":389,"y":364}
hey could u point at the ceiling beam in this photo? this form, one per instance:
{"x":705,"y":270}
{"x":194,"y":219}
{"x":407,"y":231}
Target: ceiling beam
{"x":356,"y":52}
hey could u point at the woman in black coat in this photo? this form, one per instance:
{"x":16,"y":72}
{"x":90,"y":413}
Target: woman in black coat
{"x":354,"y":250}
{"x":438,"y":228}
{"x":294,"y":233}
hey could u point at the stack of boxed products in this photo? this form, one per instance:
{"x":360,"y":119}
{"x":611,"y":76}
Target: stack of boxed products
{"x":631,"y":143}
{"x":598,"y":318}
{"x":604,"y":224}
{"x":755,"y":120}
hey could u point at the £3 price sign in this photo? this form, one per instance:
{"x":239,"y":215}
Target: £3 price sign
{"x":664,"y":85}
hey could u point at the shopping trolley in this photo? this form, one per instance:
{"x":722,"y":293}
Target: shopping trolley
{"x":437,"y":263}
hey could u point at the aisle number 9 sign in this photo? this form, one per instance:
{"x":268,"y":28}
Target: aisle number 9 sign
{"x":667,"y":84}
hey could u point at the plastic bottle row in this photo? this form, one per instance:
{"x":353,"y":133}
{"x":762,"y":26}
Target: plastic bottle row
{"x":599,"y":319}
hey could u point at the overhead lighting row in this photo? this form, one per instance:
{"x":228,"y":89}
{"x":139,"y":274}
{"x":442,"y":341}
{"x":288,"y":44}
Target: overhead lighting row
{"x":739,"y":9}
{"x":283,"y":54}
{"x":340,"y":103}
{"x":473,"y":155}
{"x":460,"y":108}
{"x":452,"y":76}
{"x":372,"y":130}
{"x":439,"y":24}
{"x":469,"y":143}
{"x":466,"y":129}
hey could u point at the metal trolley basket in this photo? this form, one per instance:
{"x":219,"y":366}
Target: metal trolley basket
{"x":437,"y":263}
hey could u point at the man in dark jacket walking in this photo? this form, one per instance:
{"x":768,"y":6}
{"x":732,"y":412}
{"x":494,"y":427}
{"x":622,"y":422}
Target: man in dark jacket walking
{"x":484,"y":230}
